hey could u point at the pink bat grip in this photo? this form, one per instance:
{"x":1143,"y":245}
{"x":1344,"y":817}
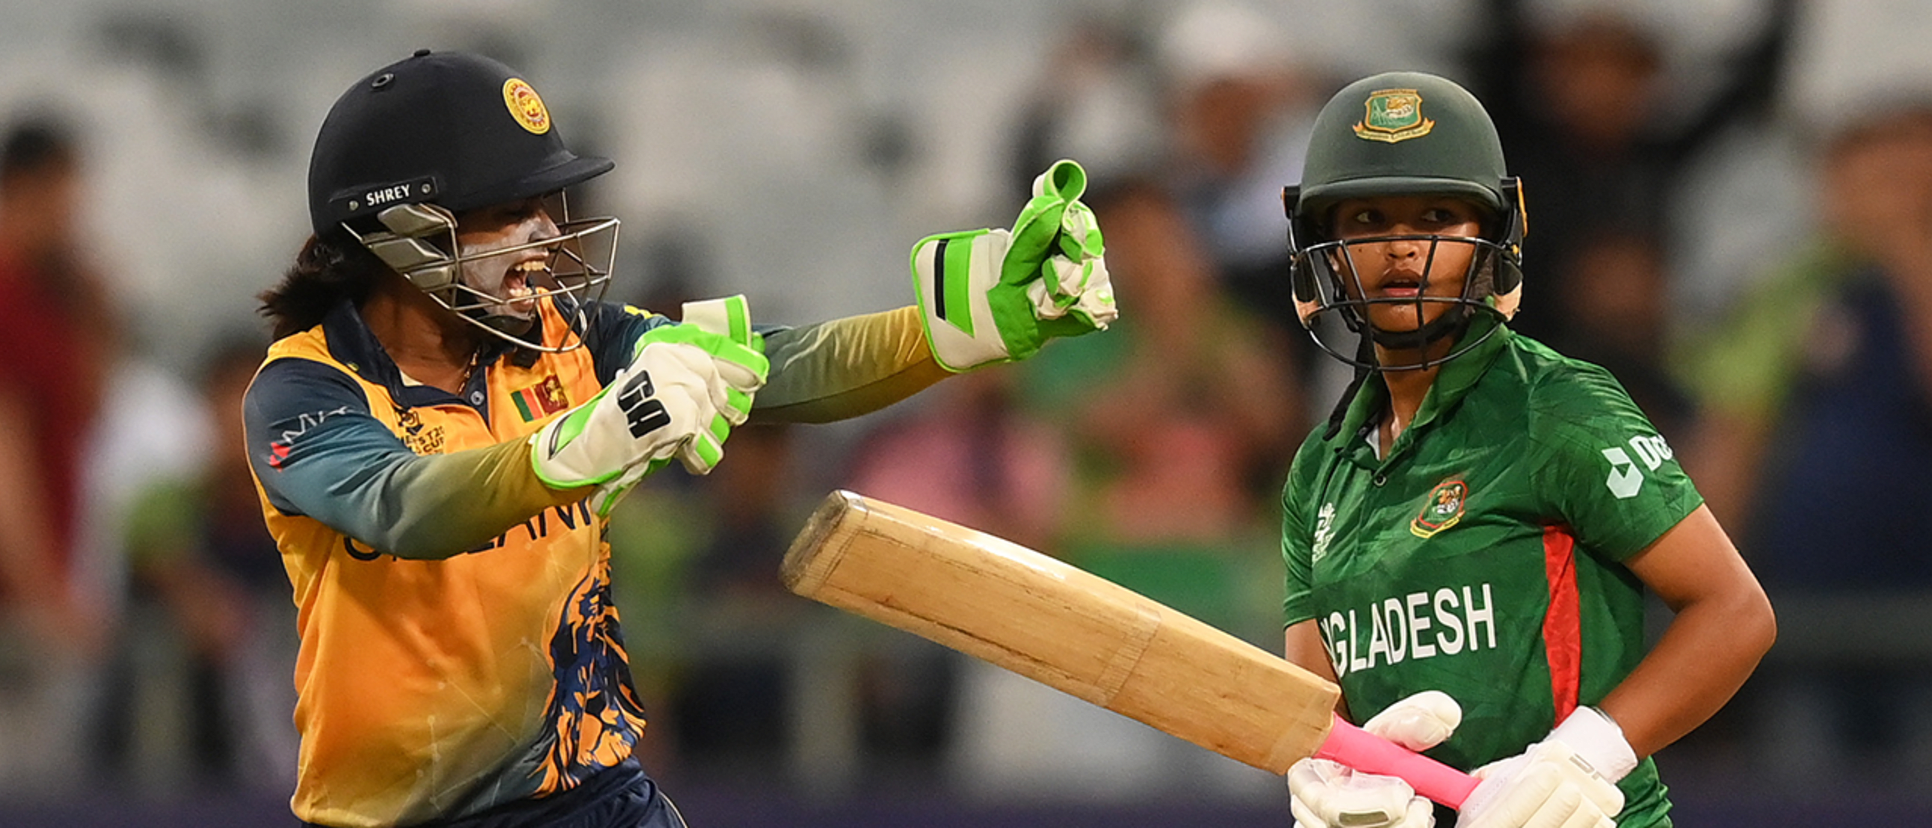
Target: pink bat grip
{"x":1363,"y":751}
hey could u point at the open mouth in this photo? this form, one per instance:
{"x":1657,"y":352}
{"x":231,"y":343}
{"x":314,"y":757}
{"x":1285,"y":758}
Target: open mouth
{"x":518,"y":292}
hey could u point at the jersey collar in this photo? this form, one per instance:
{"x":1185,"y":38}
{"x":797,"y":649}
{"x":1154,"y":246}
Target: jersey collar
{"x":356,"y":347}
{"x":1452,"y":384}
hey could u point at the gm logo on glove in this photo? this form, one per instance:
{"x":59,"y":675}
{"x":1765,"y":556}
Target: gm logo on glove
{"x":641,"y":411}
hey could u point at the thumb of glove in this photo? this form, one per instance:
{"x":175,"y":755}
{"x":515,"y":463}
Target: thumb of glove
{"x":1418,"y":722}
{"x":1037,"y":229}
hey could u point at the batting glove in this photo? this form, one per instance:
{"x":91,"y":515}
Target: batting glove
{"x":1327,"y":794}
{"x":990,"y":296}
{"x":722,"y":329}
{"x":1567,"y":780}
{"x":1418,"y":722}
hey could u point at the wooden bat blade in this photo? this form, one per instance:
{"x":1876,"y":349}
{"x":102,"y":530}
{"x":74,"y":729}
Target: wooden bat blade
{"x":1085,"y":636}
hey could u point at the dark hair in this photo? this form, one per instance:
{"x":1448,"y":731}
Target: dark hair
{"x":326,"y":272}
{"x":35,"y":145}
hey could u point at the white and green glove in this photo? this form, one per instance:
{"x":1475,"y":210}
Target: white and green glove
{"x":651,"y":410}
{"x":1568,"y":780}
{"x":990,"y":296}
{"x":1326,"y":794}
{"x":722,"y":329}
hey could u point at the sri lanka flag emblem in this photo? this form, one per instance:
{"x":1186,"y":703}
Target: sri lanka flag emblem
{"x":541,"y":400}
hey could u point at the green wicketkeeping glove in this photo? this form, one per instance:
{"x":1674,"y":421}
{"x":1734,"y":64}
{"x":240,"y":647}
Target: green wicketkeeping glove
{"x":990,"y":296}
{"x":652,"y":410}
{"x":722,"y":329}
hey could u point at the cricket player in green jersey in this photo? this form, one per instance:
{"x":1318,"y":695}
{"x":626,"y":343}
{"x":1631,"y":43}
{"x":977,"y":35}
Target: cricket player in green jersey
{"x":1468,"y":539}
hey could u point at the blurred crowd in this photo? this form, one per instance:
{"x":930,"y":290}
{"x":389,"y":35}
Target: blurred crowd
{"x":1732,"y":212}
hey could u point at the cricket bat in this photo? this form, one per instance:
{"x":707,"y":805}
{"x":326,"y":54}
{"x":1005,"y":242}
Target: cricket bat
{"x":1086,"y":636}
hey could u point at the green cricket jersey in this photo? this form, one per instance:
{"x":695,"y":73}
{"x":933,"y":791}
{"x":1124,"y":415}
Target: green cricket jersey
{"x":1482,"y":556}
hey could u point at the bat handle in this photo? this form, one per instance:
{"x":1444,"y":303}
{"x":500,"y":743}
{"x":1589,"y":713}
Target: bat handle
{"x":1363,"y":751}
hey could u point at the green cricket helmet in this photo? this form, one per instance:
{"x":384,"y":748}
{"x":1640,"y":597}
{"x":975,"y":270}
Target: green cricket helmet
{"x":409,"y":147}
{"x":1406,"y":134}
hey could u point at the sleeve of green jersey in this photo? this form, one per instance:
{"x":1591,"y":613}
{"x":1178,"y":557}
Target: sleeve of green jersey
{"x":1297,"y":551}
{"x":1605,"y":470}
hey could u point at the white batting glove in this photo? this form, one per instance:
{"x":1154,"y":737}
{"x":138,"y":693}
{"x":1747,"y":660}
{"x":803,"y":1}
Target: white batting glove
{"x":1326,"y":794}
{"x":1418,"y":722}
{"x":1567,"y":780}
{"x":659,"y":404}
{"x":991,"y":296}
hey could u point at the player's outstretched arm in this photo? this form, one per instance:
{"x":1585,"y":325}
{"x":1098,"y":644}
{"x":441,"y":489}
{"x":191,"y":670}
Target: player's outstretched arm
{"x":845,"y":367}
{"x":318,"y":451}
{"x":985,"y":297}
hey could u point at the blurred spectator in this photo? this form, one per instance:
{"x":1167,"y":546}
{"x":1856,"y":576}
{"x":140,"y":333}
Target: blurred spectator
{"x":1096,"y":100}
{"x":1618,"y":308}
{"x":1208,"y":96}
{"x":1238,"y":104}
{"x":1586,"y":111}
{"x":1180,"y":415}
{"x":1814,"y":391}
{"x":710,"y":566}
{"x":975,"y":457}
{"x":201,"y":555}
{"x":56,"y":335}
{"x":1816,"y":399}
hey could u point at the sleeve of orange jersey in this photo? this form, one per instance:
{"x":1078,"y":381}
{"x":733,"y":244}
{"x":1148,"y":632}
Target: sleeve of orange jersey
{"x":845,"y":367}
{"x":318,"y":453}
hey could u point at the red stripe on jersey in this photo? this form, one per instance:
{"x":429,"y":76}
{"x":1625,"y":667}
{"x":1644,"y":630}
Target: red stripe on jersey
{"x":1563,"y":623}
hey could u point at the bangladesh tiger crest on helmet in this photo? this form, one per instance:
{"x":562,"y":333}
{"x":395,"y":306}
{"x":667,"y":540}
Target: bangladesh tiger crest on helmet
{"x":1393,"y":115}
{"x":1443,"y":509}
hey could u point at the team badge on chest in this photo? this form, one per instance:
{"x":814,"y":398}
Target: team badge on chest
{"x":1442,"y":510}
{"x":540,"y":400}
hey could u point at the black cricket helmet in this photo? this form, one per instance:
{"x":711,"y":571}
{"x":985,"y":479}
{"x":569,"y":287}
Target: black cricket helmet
{"x":418,"y":142}
{"x":1408,"y":134}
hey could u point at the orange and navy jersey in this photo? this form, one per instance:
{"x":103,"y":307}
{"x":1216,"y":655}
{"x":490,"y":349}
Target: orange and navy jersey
{"x":459,"y":649}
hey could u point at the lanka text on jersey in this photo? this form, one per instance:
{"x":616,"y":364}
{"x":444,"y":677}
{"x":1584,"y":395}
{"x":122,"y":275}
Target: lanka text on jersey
{"x":1482,"y":556}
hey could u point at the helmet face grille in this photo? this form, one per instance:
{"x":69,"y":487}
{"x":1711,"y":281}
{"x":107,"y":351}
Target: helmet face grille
{"x":1328,"y":289}
{"x":1332,"y":314}
{"x":423,"y":248}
